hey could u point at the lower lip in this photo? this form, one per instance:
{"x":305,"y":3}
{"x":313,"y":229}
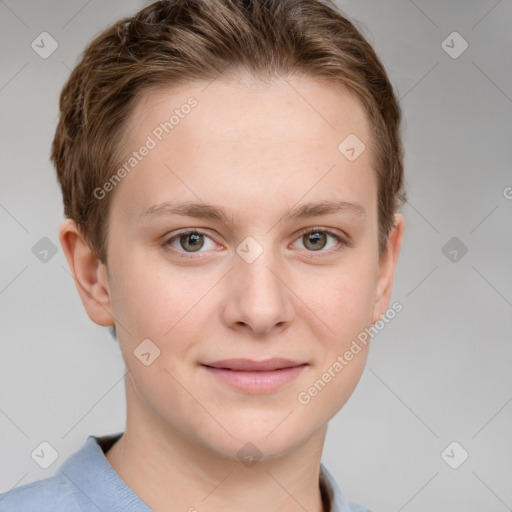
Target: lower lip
{"x":256,"y":382}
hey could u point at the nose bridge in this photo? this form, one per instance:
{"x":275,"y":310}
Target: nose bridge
{"x":259,"y":275}
{"x":258,"y":295}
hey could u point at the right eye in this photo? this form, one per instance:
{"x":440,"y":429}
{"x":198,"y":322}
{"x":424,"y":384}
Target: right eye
{"x":190,"y":241}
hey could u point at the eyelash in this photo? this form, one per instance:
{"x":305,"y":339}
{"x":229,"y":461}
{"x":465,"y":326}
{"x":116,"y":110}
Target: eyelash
{"x":341,"y":242}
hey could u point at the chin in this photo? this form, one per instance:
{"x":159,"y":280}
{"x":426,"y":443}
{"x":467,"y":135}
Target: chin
{"x":256,"y":439}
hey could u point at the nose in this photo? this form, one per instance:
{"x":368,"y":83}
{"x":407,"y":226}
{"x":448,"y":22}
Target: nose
{"x":258,"y":297}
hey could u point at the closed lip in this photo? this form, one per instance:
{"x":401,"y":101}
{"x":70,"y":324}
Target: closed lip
{"x":248,"y":365}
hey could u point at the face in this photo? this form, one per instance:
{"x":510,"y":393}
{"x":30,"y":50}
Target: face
{"x":259,"y":269}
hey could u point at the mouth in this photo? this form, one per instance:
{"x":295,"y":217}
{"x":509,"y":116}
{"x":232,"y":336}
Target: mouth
{"x":255,"y":377}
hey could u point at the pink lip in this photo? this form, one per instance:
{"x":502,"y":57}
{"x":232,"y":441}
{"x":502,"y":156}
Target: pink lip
{"x":276,"y":363}
{"x":255,"y":376}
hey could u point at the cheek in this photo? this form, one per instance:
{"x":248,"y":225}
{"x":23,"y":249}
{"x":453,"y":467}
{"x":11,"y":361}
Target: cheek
{"x":343,"y":313}
{"x":343,"y":299}
{"x":346,"y":305}
{"x":331,"y":387}
{"x":152,"y":297}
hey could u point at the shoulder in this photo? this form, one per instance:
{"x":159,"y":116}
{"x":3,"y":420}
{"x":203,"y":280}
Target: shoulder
{"x":53,"y":494}
{"x":353,"y":507}
{"x":348,"y":506}
{"x":337,"y":502}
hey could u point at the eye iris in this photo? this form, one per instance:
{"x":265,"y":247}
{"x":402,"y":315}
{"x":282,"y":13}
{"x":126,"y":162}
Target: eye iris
{"x":194,"y":240}
{"x":315,"y":238}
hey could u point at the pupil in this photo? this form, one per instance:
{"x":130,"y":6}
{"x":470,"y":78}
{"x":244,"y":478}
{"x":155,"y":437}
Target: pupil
{"x":194,"y":241}
{"x":315,"y":238}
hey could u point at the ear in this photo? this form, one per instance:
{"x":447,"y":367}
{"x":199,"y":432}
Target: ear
{"x":88,"y":272}
{"x":387,"y":265}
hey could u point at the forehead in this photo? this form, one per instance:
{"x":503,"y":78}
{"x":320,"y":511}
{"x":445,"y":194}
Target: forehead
{"x":241,"y":106}
{"x":247,"y":142}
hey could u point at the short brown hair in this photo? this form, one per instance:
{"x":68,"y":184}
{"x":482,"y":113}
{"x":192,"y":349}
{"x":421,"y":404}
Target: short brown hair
{"x":174,"y":42}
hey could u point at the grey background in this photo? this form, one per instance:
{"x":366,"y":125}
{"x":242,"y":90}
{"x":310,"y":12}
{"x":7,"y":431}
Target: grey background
{"x":439,"y":372}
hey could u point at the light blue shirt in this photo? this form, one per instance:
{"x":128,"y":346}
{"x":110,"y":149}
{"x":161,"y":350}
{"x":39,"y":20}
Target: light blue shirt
{"x":86,"y":482}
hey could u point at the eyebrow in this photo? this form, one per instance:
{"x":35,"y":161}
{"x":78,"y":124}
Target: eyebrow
{"x":206,"y":211}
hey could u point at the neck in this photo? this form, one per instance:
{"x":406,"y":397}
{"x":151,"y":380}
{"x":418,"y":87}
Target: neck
{"x":170,"y":470}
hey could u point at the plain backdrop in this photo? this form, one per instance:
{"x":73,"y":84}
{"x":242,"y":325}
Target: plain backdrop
{"x":438,"y":373}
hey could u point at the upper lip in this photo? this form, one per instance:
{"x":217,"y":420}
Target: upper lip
{"x":250,"y":365}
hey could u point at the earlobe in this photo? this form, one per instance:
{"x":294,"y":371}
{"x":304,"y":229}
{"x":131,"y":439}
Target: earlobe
{"x":88,"y":274}
{"x":387,"y":266}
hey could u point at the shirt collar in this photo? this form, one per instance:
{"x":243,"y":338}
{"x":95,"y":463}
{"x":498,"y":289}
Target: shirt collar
{"x":91,"y":472}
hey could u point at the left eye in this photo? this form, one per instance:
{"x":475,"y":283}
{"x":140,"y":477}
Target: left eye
{"x":317,"y":239}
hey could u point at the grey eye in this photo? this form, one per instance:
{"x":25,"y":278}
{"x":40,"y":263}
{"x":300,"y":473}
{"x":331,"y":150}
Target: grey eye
{"x":315,"y":240}
{"x":191,"y":242}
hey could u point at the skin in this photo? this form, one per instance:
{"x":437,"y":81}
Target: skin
{"x":256,"y":150}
